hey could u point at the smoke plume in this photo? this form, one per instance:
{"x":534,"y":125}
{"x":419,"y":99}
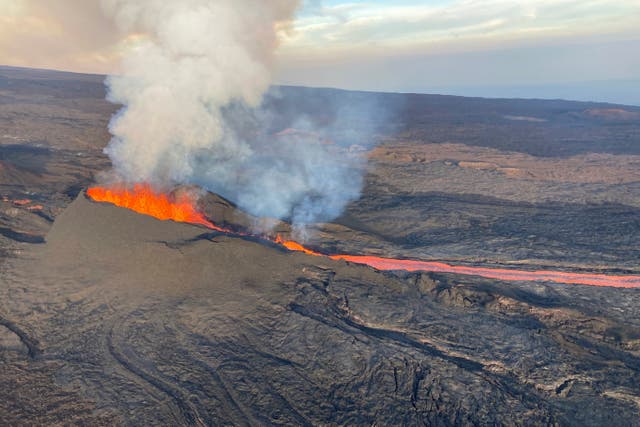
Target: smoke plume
{"x":192,"y":86}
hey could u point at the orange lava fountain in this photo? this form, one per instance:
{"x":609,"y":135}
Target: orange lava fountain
{"x":181,"y":208}
{"x":143,"y":199}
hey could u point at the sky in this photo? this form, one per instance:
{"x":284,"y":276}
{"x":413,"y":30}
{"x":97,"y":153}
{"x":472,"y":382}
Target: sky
{"x":577,"y":49}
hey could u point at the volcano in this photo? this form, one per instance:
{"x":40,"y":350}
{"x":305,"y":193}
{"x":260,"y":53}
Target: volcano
{"x":175,"y":323}
{"x":180,"y":206}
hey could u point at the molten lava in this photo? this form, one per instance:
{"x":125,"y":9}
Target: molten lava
{"x":590,"y":279}
{"x":143,"y":199}
{"x":295,"y":246}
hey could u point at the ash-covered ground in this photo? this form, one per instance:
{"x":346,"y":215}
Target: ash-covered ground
{"x":109,"y":317}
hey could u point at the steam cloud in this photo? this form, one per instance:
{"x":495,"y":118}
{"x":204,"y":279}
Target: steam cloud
{"x":192,"y":86}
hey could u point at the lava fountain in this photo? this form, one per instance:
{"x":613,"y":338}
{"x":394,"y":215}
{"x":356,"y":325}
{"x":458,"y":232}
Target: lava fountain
{"x":142,"y":198}
{"x":181,"y":207}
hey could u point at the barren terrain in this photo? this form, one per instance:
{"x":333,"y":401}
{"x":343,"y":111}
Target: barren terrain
{"x":110,"y":317}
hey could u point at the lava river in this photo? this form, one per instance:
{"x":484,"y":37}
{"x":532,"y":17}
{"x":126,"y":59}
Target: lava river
{"x":143,"y":199}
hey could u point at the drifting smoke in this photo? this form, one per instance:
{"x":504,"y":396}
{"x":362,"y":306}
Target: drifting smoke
{"x":192,"y":87}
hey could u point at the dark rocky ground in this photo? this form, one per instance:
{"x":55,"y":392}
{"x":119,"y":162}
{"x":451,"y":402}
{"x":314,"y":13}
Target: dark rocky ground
{"x":122,"y":319}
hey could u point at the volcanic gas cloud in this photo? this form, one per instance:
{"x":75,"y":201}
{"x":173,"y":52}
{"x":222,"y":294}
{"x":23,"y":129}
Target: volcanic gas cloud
{"x":191,"y":83}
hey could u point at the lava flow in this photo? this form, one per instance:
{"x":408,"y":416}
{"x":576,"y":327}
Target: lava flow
{"x":181,"y":208}
{"x":590,"y":279}
{"x":295,"y":246}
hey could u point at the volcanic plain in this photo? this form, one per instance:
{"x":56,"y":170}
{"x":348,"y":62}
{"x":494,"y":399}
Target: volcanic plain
{"x":109,"y":317}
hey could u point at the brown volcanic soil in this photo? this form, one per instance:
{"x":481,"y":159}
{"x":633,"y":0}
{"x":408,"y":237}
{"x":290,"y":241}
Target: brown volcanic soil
{"x":123,"y":319}
{"x":584,"y":168}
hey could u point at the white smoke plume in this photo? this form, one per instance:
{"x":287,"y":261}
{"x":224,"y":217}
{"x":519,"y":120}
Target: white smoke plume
{"x":191,"y":85}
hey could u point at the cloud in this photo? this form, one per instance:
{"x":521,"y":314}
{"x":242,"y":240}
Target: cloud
{"x":76,"y":35}
{"x":420,"y":46}
{"x":366,"y":26}
{"x":371,"y":44}
{"x":65,"y":34}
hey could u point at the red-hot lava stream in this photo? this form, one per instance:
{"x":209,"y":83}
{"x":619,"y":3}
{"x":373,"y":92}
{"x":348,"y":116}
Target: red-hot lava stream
{"x":181,"y":208}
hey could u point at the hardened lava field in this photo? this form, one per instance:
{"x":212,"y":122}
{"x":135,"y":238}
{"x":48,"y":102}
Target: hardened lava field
{"x":112,"y":317}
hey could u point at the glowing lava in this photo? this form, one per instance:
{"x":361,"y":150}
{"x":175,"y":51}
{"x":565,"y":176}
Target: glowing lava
{"x":590,"y":279}
{"x":388,"y":264}
{"x":295,"y":246}
{"x":143,"y":199}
